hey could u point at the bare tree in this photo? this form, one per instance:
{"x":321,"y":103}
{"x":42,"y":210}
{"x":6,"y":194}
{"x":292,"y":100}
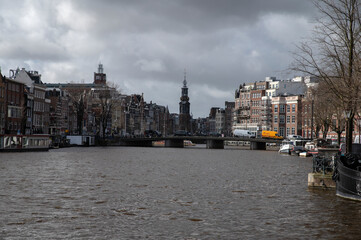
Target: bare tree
{"x":325,"y":107}
{"x":338,"y":123}
{"x":108,"y":100}
{"x":79,"y":103}
{"x":333,"y":55}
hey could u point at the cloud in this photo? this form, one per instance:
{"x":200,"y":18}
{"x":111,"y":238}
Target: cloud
{"x":146,"y":45}
{"x":155,"y":65}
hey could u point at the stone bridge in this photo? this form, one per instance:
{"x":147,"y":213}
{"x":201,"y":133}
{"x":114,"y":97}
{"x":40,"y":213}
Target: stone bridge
{"x":178,"y":141}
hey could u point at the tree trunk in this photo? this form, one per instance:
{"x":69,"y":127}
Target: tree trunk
{"x":317,"y":132}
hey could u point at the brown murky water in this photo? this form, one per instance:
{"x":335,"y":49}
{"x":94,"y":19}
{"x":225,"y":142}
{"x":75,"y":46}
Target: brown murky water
{"x":165,"y":193}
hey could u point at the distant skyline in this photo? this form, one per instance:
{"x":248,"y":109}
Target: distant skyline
{"x":145,"y":45}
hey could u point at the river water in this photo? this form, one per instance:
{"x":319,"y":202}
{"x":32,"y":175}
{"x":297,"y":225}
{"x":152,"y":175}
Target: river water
{"x":167,"y":193}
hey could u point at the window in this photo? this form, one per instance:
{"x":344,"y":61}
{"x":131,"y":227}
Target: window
{"x":287,"y":131}
{"x":288,"y":120}
{"x":282,"y":131}
{"x":276,"y":108}
{"x":293,"y":119}
{"x":282,"y":108}
{"x":275,"y":129}
{"x":293,"y":131}
{"x":293,"y":107}
{"x":288,"y":108}
{"x":276,"y":119}
{"x":282,"y":118}
{"x":14,"y":112}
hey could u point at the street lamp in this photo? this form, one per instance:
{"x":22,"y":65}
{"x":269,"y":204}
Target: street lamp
{"x":312,"y":102}
{"x":359,"y":128}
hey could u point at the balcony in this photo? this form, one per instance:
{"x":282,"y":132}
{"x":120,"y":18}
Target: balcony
{"x":244,"y":108}
{"x":266,"y":110}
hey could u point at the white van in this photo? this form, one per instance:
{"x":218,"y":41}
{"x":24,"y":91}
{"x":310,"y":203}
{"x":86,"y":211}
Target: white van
{"x":242,"y":133}
{"x":297,"y":137}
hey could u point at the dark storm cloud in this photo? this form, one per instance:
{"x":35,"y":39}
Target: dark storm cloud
{"x":145,"y":45}
{"x":188,"y":15}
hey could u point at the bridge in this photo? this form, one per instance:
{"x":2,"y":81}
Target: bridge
{"x":178,"y":141}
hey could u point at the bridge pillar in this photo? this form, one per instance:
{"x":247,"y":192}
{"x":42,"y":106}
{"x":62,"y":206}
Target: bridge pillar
{"x":175,"y":143}
{"x":215,"y":144}
{"x":258,"y":146}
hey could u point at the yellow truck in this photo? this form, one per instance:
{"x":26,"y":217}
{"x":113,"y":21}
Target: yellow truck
{"x":271,"y":134}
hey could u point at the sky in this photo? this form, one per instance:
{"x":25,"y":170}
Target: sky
{"x":146,"y":46}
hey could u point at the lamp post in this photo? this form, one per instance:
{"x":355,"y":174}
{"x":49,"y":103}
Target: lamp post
{"x":359,"y":128}
{"x":312,"y":102}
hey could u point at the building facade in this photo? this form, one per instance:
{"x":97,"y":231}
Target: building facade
{"x":14,"y":116}
{"x":287,"y":115}
{"x":228,"y":115}
{"x":2,"y":103}
{"x":263,"y":105}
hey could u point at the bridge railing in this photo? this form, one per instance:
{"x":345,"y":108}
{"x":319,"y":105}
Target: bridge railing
{"x":323,"y":164}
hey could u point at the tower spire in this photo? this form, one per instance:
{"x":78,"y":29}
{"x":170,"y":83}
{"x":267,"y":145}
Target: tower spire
{"x":185,"y":79}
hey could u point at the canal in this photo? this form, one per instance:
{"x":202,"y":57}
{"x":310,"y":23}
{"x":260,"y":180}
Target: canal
{"x":167,"y":193}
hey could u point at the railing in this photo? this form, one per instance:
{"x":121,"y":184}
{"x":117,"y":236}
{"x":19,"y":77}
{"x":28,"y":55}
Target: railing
{"x":322,"y":164}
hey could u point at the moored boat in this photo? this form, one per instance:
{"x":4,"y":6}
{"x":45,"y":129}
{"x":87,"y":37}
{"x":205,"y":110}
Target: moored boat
{"x":286,"y":148}
{"x":293,"y":146}
{"x":20,"y":143}
{"x":159,"y":143}
{"x":347,"y":176}
{"x":188,"y":143}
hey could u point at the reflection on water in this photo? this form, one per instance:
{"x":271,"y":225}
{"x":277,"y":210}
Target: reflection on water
{"x":165,"y":193}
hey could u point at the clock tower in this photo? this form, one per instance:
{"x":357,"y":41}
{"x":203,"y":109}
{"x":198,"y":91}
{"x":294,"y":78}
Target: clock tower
{"x":184,"y":108}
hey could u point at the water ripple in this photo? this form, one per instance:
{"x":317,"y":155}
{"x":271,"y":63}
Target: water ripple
{"x":165,"y":193}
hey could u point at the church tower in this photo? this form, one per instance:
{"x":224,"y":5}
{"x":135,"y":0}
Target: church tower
{"x":184,"y":108}
{"x":100,"y":77}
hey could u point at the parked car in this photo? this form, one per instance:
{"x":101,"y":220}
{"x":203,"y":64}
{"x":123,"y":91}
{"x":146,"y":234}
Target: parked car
{"x":215,"y":134}
{"x":182,"y":133}
{"x":297,"y":137}
{"x":152,"y":133}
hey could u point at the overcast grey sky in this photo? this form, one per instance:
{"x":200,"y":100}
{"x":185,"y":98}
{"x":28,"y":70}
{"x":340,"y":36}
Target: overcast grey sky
{"x":146,"y":45}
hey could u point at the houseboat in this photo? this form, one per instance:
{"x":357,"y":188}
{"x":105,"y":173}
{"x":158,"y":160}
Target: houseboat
{"x":19,"y":143}
{"x":347,"y":175}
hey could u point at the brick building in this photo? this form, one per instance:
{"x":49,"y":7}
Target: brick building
{"x":287,"y":115}
{"x":14,"y":102}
